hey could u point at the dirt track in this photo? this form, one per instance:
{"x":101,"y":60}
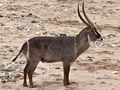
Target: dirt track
{"x":93,"y":70}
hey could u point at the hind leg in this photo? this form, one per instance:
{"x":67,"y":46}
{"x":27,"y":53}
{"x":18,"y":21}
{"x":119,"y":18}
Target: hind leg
{"x":26,"y":70}
{"x":30,"y":73}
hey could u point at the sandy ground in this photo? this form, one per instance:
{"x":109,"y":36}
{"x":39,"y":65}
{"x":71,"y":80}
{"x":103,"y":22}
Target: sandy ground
{"x":93,"y":70}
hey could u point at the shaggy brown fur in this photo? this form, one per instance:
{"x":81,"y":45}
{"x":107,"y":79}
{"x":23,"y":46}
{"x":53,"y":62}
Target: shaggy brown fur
{"x":53,"y":49}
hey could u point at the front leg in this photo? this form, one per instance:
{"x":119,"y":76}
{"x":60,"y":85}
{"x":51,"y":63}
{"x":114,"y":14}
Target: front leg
{"x":66,"y":66}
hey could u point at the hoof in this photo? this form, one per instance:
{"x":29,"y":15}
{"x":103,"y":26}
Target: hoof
{"x":65,"y":84}
{"x":25,"y":85}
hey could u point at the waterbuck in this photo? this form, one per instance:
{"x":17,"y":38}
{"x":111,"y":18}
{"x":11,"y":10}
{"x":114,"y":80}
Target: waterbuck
{"x":53,"y":49}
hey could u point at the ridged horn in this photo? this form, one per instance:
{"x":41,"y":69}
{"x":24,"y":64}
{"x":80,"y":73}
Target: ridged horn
{"x":90,"y":22}
{"x":82,"y":18}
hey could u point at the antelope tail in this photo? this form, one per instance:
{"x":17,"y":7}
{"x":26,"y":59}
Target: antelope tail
{"x":19,"y":52}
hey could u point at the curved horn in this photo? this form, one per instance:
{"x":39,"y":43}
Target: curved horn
{"x":86,"y":15}
{"x":82,"y":18}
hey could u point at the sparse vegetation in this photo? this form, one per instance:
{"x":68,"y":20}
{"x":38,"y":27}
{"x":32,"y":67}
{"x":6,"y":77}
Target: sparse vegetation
{"x":12,"y":9}
{"x":118,"y":28}
{"x":100,"y":28}
{"x":74,"y":31}
{"x":42,"y":29}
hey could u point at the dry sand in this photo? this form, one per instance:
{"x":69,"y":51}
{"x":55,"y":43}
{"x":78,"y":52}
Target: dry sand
{"x":93,"y":70}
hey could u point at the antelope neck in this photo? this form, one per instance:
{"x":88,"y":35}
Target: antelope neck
{"x":82,"y":41}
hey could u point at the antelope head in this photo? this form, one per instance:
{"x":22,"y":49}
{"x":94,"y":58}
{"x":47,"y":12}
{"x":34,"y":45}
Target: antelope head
{"x":91,"y":27}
